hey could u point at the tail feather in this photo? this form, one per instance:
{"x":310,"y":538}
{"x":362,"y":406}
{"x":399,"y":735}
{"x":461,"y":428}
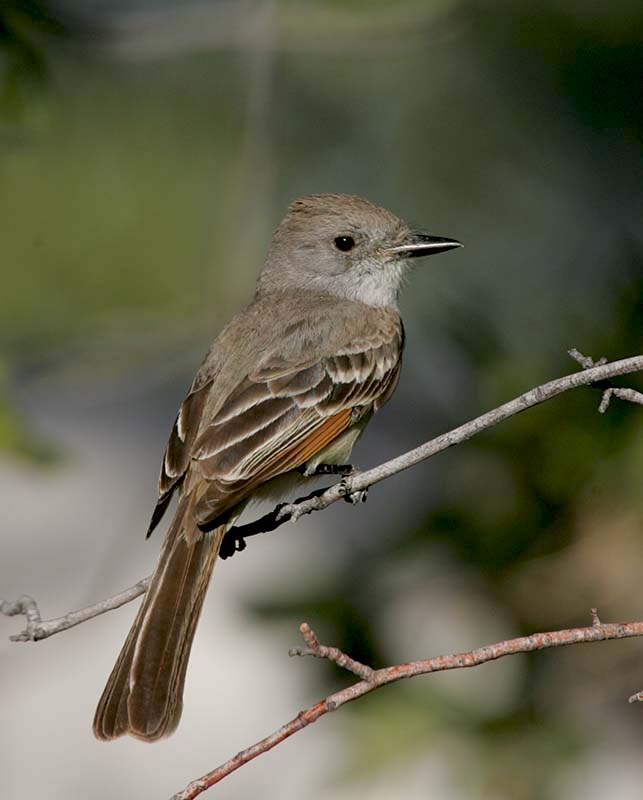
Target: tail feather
{"x":143,"y":696}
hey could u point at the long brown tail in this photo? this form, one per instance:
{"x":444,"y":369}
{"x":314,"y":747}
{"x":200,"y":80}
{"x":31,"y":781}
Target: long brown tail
{"x":144,"y":693}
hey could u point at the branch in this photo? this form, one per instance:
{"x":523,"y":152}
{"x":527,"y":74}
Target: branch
{"x":374,"y":679}
{"x":37,"y":629}
{"x":352,"y":486}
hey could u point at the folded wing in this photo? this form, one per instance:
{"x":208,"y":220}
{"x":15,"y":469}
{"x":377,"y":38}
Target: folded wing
{"x":275,"y":420}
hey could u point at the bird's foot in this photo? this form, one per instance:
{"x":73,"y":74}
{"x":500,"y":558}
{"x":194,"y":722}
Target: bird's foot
{"x":230,"y":545}
{"x":356,"y":497}
{"x":353,"y":497}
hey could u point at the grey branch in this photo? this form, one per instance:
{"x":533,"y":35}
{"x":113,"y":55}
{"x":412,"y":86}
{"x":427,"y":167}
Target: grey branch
{"x":593,"y":373}
{"x":37,"y":629}
{"x":629,"y":395}
{"x":586,"y":362}
{"x":374,"y":679}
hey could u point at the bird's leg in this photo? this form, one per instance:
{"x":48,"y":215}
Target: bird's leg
{"x":234,"y":540}
{"x":346,"y":471}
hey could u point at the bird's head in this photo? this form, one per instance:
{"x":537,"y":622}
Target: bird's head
{"x":344,"y":245}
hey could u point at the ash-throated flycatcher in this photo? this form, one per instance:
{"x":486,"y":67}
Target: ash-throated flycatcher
{"x":287,"y":386}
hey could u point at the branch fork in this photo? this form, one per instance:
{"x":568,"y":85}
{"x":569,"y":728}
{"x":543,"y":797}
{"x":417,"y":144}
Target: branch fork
{"x":28,"y":608}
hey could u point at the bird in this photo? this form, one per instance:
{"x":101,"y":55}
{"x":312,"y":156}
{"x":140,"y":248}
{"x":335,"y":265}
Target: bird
{"x":283,"y":394}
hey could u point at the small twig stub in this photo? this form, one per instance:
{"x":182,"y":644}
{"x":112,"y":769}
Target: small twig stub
{"x":314,"y":648}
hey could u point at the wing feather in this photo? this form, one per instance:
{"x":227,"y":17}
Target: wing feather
{"x":275,"y":420}
{"x":178,"y":451}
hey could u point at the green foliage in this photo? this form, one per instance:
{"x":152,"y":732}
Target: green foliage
{"x":25,"y":26}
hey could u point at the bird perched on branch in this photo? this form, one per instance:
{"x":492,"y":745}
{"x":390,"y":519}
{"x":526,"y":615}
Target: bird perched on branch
{"x":285,"y":391}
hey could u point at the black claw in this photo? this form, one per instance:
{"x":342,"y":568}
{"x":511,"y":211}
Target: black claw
{"x":356,"y":497}
{"x":227,"y":548}
{"x":230,"y":545}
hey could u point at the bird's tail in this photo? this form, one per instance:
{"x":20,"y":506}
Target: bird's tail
{"x":144,"y":693}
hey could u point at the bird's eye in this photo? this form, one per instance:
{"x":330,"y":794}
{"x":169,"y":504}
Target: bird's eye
{"x":344,"y":243}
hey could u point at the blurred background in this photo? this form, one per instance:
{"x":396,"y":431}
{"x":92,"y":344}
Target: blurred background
{"x":147,"y":150}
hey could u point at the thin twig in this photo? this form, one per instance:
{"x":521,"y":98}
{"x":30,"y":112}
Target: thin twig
{"x":472,"y":658}
{"x":629,"y":395}
{"x":586,"y":362}
{"x":36,"y":629}
{"x":331,"y":653}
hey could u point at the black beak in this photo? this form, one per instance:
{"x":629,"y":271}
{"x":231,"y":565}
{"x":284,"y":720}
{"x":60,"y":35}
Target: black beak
{"x":421,"y":244}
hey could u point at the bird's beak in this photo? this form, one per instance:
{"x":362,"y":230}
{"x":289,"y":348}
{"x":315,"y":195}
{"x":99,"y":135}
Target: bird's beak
{"x":421,"y":244}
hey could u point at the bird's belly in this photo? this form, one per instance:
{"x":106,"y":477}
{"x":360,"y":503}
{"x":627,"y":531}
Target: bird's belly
{"x":336,"y":452}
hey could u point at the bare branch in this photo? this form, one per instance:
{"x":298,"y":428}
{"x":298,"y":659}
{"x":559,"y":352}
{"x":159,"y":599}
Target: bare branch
{"x":37,"y":629}
{"x":377,"y":678}
{"x":586,"y":362}
{"x":630,"y":395}
{"x":351,"y":485}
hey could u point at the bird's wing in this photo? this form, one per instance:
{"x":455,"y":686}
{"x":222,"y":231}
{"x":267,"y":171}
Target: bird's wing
{"x":177,"y":453}
{"x":281,"y":416}
{"x":275,"y":420}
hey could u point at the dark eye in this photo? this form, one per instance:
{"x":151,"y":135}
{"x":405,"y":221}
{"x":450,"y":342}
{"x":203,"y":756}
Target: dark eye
{"x":344,"y":243}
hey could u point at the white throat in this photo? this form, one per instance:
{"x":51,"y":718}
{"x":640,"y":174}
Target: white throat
{"x":371,"y":283}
